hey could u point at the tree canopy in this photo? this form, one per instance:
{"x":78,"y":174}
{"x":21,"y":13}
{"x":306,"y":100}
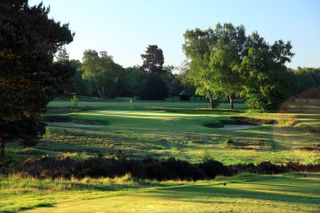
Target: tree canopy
{"x":225,"y":63}
{"x":29,"y":77}
{"x":154,"y":86}
{"x":101,"y":71}
{"x":153,"y":60}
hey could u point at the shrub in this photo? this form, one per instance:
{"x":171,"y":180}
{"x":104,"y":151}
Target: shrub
{"x":269,"y":168}
{"x":74,"y":101}
{"x":229,"y":142}
{"x":154,"y":169}
{"x":213,"y":168}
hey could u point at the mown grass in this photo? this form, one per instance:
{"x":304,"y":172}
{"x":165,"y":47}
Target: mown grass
{"x":169,"y":129}
{"x":242,"y":193}
{"x":175,"y":129}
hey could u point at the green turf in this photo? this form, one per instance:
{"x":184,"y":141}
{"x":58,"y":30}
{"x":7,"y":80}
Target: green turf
{"x":242,"y":193}
{"x":174,"y":129}
{"x":169,"y":129}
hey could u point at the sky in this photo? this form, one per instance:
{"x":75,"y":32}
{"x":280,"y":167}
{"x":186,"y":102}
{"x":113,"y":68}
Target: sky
{"x":124,"y":28}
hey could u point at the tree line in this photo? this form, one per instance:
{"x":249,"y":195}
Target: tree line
{"x":226,"y":63}
{"x":99,"y":75}
{"x":223,"y":63}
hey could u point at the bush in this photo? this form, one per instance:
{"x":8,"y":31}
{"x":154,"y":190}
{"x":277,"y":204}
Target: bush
{"x":229,"y":142}
{"x":262,"y":168}
{"x":269,"y":168}
{"x":214,"y":168}
{"x":153,"y":169}
{"x":74,"y":101}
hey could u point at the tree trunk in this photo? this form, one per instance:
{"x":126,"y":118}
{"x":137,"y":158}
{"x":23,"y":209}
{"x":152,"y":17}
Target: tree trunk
{"x":100,"y":94}
{"x":212,"y":102}
{"x":231,"y":103}
{"x":2,"y":149}
{"x":100,"y":90}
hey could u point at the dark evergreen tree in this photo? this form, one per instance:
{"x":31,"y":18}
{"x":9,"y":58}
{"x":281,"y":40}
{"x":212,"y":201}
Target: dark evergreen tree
{"x":29,"y":77}
{"x":155,"y":86}
{"x":153,"y":60}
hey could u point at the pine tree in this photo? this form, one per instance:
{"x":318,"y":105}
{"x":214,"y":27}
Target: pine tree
{"x":29,"y":77}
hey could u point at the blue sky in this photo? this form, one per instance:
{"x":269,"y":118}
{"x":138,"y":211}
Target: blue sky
{"x":124,"y":28}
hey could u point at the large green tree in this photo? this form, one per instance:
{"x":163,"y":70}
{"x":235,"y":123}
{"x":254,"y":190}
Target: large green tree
{"x":29,"y":77}
{"x":213,"y":56}
{"x":267,"y":81}
{"x":225,"y":63}
{"x":101,"y":71}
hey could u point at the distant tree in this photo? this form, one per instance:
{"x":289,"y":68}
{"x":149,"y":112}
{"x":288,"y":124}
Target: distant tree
{"x":77,"y":84}
{"x":101,"y":71}
{"x":134,"y":76}
{"x":267,"y":81}
{"x":306,"y":78}
{"x":155,"y":86}
{"x":29,"y":77}
{"x":224,"y":59}
{"x":197,"y":48}
{"x":213,"y":56}
{"x":153,"y":60}
{"x":224,"y":62}
{"x":62,"y":54}
{"x":176,"y":85}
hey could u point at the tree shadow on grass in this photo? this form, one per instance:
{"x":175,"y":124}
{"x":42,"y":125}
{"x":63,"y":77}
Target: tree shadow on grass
{"x":201,"y":193}
{"x":37,"y":205}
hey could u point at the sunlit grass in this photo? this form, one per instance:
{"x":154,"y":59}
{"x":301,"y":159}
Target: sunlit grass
{"x":163,"y":129}
{"x":242,"y":193}
{"x":174,"y":129}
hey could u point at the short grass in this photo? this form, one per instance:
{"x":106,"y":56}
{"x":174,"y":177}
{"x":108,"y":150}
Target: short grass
{"x":175,"y":129}
{"x":164,"y":129}
{"x":242,"y":193}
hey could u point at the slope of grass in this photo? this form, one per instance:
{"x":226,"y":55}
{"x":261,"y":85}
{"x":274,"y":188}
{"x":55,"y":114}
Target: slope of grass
{"x":174,"y":129}
{"x":242,"y":193}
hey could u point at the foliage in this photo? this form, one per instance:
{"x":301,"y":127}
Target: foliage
{"x":102,"y":72}
{"x":77,"y":85}
{"x":149,"y":168}
{"x":154,"y":88}
{"x":267,"y":81}
{"x":74,"y":101}
{"x":206,"y":157}
{"x":153,"y":60}
{"x":224,"y":62}
{"x":306,"y":78}
{"x":132,"y":81}
{"x":213,"y":56}
{"x":29,"y":77}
